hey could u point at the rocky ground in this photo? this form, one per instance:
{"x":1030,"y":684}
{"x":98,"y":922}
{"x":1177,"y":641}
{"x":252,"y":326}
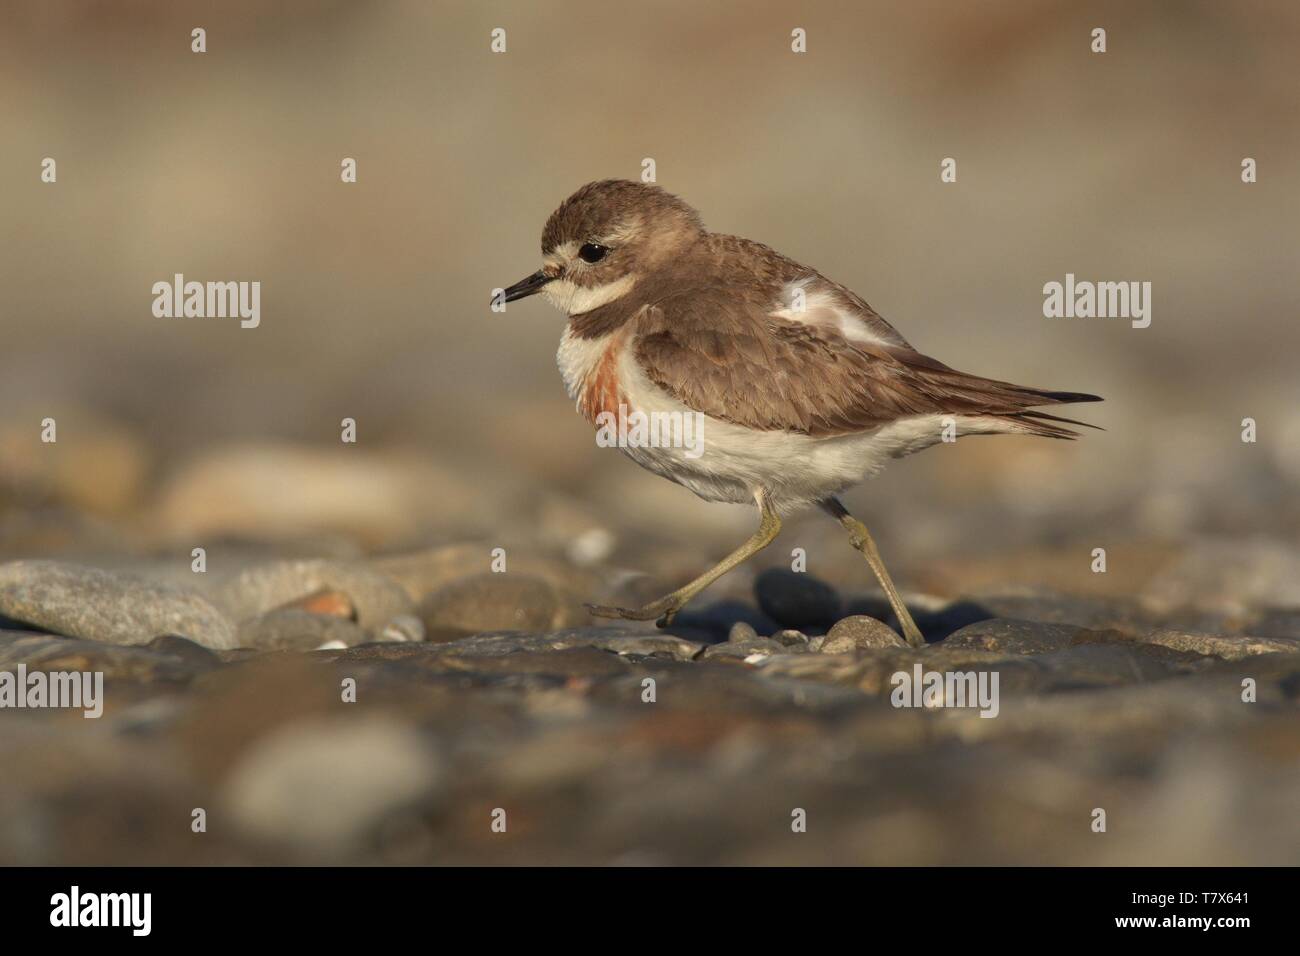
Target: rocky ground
{"x":392,"y":708}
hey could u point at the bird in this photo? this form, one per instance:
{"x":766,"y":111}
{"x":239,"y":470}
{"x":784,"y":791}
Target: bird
{"x":800,"y":388}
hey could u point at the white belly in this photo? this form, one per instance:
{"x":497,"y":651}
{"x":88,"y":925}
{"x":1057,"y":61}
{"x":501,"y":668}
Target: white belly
{"x":733,"y":463}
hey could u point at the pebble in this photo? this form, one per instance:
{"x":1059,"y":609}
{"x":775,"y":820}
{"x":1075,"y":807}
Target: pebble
{"x":859,"y":632}
{"x":96,"y":605}
{"x":325,"y":785}
{"x":741,"y":632}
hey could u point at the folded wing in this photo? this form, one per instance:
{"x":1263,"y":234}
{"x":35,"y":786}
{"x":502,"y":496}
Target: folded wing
{"x":770,"y":371}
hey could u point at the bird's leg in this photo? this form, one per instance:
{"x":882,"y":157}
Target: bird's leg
{"x":666,"y":608}
{"x":861,"y":539}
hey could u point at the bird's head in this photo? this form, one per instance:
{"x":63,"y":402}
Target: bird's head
{"x":604,"y":239}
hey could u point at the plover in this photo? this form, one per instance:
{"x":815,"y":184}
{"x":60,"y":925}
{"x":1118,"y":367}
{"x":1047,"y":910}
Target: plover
{"x":804,"y":390}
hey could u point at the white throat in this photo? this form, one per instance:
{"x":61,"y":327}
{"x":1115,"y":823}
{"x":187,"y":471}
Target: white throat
{"x":573,"y":299}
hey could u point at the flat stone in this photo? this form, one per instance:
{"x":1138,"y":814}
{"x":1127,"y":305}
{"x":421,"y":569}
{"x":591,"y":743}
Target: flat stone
{"x":859,"y":632}
{"x":1015,"y":637}
{"x":617,"y":639}
{"x":1016,"y":674}
{"x":164,"y":661}
{"x":1089,"y":666}
{"x":97,"y":605}
{"x":796,"y":600}
{"x":1229,"y":647}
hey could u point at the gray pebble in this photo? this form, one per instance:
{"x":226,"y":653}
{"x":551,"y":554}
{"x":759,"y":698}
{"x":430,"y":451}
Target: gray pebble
{"x":741,"y":632}
{"x":98,"y":605}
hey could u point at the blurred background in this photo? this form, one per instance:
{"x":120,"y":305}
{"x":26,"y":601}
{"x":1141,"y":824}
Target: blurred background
{"x":225,"y":166}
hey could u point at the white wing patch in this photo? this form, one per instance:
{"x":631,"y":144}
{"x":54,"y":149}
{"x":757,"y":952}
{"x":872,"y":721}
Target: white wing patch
{"x":811,"y":302}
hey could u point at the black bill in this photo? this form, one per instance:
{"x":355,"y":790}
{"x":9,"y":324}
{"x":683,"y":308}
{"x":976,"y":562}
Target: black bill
{"x":526,"y":287}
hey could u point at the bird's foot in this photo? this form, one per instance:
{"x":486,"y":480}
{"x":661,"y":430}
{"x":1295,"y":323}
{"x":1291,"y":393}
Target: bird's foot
{"x":662,"y":612}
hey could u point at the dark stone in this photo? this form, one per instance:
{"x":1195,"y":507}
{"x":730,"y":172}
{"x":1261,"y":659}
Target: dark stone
{"x":796,"y":600}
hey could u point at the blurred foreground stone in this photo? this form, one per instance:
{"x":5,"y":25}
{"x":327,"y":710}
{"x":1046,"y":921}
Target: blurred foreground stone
{"x":320,"y":725}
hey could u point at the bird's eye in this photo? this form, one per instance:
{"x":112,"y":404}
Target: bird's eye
{"x":592,"y":252}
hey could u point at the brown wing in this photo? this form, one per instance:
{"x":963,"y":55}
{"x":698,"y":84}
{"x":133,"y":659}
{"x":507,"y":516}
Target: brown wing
{"x":737,"y":364}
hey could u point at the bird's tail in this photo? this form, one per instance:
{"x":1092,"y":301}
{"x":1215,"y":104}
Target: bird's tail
{"x":1031,"y":422}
